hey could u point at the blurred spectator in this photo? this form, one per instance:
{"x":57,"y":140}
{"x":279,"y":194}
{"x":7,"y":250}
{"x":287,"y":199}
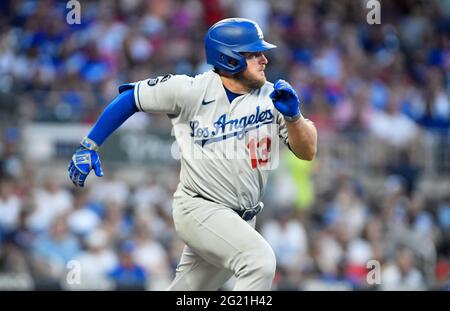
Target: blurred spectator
{"x":151,"y":255}
{"x":442,"y":274}
{"x":287,"y":236}
{"x":10,"y":208}
{"x":302,"y":178}
{"x":15,"y":273}
{"x":393,"y":127}
{"x":11,"y":164}
{"x":432,"y":109}
{"x":116,"y":222}
{"x":50,"y":202}
{"x":128,"y":275}
{"x":96,"y":262}
{"x":110,"y":189}
{"x":82,"y":219}
{"x":406,"y":168}
{"x":52,"y":251}
{"x":401,"y":274}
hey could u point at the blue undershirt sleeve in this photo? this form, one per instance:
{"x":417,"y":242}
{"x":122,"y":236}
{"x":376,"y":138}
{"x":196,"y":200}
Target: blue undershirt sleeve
{"x":114,"y":115}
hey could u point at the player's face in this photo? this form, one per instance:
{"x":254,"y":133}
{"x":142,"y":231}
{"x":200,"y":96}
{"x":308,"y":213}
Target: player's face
{"x":253,"y":76}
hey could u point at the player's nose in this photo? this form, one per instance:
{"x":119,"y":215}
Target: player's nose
{"x":263,"y":59}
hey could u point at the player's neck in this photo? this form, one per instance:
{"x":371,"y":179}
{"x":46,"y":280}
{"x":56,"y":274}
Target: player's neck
{"x":234,"y":85}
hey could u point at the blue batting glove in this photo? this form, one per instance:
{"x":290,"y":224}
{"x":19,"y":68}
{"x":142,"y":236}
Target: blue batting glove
{"x":286,"y":101}
{"x":83,"y":161}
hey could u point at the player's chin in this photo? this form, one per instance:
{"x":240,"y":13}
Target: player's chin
{"x":254,"y":81}
{"x":262,"y":80}
{"x":256,"y":84}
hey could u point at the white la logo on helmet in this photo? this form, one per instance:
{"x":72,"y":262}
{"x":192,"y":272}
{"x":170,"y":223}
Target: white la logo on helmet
{"x":260,"y":33}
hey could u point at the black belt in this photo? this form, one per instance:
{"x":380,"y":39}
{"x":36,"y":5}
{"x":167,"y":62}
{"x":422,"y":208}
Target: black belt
{"x":245,"y":214}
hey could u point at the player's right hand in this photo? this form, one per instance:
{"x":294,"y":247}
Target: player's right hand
{"x":83,"y":161}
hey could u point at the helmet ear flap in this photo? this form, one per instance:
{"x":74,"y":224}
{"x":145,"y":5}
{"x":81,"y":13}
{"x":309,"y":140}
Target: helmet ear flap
{"x":225,"y":59}
{"x":228,"y":60}
{"x":233,"y":62}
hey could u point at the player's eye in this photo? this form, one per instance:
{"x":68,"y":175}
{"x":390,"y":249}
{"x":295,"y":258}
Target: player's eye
{"x":251,"y":55}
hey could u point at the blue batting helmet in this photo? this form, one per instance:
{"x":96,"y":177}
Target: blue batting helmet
{"x":227,"y":38}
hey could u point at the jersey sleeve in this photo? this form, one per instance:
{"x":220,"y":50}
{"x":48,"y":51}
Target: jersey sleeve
{"x":161,"y":94}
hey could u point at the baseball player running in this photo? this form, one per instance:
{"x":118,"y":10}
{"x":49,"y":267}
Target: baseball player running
{"x":234,"y":108}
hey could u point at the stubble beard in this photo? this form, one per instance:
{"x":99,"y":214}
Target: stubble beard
{"x":248,"y":82}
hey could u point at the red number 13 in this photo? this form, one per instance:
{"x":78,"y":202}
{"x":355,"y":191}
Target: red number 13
{"x":264,"y":146}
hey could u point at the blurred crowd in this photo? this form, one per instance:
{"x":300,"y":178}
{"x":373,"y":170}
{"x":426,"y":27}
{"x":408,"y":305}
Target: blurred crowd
{"x":377,"y":93}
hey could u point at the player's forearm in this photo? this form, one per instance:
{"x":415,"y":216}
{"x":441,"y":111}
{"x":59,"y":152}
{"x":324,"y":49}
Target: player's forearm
{"x":302,"y":138}
{"x":114,"y":115}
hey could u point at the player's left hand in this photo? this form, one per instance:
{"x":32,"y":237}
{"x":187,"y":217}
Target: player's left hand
{"x":285,"y":99}
{"x":83,"y":161}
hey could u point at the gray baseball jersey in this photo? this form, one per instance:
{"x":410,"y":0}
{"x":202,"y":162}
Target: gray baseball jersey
{"x":226,"y":148}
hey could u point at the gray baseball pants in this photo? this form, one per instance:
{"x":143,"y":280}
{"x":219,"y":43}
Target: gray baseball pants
{"x":219,"y":244}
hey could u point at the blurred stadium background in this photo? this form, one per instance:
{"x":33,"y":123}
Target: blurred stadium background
{"x":378,"y":190}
